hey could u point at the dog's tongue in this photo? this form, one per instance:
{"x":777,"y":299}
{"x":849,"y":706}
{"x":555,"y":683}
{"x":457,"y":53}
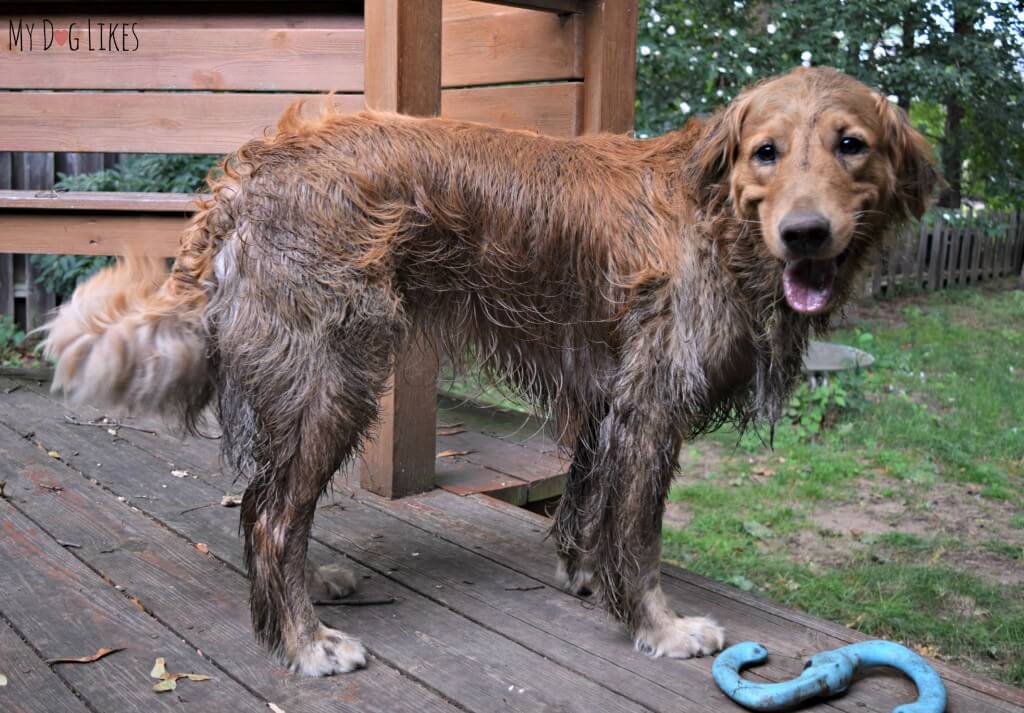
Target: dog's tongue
{"x":808,"y":284}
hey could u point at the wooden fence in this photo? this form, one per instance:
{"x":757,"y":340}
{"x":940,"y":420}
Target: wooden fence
{"x":938,"y":253}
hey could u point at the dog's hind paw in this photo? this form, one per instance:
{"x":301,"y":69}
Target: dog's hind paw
{"x":329,"y":582}
{"x":331,"y":652}
{"x":682,"y":638}
{"x":581,"y":583}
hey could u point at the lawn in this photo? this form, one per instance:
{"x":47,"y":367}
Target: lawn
{"x":903,"y":516}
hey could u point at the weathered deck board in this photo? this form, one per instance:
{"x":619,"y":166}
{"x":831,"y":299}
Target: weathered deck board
{"x":31,"y":686}
{"x":430,"y":642}
{"x":65,"y":609}
{"x":477,"y":607}
{"x":195,"y":594}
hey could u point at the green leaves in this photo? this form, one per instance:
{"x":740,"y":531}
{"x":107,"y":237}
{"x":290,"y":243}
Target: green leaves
{"x":696,"y":55}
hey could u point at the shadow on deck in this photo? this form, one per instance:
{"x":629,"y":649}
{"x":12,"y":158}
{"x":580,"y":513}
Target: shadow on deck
{"x":120,"y":540}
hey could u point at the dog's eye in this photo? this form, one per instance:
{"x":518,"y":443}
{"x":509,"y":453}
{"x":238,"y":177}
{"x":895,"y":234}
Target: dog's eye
{"x":765,"y":153}
{"x":850,"y":146}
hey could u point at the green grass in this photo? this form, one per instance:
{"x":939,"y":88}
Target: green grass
{"x":940,"y":412}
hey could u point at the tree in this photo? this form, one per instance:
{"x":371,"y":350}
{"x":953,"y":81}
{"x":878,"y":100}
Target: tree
{"x":956,"y":65}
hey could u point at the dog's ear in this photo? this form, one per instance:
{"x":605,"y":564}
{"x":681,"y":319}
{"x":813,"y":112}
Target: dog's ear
{"x":715,"y":152}
{"x":912,"y":159}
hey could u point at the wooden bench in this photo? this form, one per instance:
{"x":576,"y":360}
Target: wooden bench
{"x":198,"y":83}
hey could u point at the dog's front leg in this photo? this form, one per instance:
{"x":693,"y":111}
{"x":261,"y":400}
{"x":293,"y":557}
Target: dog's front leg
{"x":634,"y":463}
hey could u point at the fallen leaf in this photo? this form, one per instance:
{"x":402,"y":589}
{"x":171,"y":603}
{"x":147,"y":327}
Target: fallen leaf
{"x":763,"y":472}
{"x":3,"y":680}
{"x":451,"y":431}
{"x":203,"y":547}
{"x":453,"y":454}
{"x":169,"y":681}
{"x":180,"y":473}
{"x":275,"y":708}
{"x":168,"y":684}
{"x":100,"y":653}
{"x":53,"y":454}
{"x":231,"y":501}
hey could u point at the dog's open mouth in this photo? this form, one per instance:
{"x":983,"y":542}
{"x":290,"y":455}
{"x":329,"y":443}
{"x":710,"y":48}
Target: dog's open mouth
{"x":808,"y":283}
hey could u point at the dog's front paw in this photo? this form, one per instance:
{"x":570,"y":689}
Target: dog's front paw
{"x":682,"y":638}
{"x":331,"y":652}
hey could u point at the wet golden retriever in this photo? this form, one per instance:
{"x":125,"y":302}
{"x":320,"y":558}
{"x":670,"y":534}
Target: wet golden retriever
{"x":641,"y":292}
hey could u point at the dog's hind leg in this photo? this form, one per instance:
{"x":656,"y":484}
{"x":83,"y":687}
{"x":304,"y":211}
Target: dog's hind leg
{"x":575,"y":572}
{"x":296,"y":399}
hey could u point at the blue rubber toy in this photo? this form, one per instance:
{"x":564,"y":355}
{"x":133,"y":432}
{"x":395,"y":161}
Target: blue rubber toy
{"x":826,"y":674}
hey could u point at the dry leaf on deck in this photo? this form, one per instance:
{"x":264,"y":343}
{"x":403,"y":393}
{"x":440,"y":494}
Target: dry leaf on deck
{"x":231,"y":501}
{"x":53,"y":454}
{"x":169,"y":681}
{"x":100,"y":653}
{"x":180,"y":473}
{"x":203,"y":547}
{"x":452,"y":454}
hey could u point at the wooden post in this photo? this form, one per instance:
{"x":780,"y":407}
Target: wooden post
{"x":6,"y":260}
{"x":609,"y":65}
{"x":403,"y":74}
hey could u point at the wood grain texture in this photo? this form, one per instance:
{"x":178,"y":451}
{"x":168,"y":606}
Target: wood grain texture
{"x":515,"y":46}
{"x":552,"y":109}
{"x":609,"y":65}
{"x":186,"y":122}
{"x":462,"y":660}
{"x":153,"y":122}
{"x":303,"y":53}
{"x":71,"y":233}
{"x":193,"y":593}
{"x":81,"y":612}
{"x":179,"y":52}
{"x":31,"y":685}
{"x":403,"y":74}
{"x":118,"y":201}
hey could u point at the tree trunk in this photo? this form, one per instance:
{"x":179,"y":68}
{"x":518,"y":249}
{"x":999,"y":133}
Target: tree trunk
{"x":907,"y":40}
{"x":952,"y":154}
{"x":952,"y":142}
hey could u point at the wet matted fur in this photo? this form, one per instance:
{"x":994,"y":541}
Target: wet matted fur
{"x":641,"y":292}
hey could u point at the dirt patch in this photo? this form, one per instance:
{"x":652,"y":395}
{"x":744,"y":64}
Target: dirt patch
{"x":677,"y":516}
{"x":952,"y":512}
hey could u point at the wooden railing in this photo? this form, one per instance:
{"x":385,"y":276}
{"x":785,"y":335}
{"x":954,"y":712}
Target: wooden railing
{"x":199,"y":88}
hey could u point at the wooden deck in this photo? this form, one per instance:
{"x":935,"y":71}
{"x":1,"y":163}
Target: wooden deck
{"x":120,"y":541}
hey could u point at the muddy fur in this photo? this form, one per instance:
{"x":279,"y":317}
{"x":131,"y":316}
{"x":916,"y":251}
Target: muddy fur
{"x":630,"y":289}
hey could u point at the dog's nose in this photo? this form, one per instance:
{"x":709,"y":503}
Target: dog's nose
{"x":805,"y":232}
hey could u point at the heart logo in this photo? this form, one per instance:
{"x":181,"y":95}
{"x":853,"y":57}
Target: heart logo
{"x":61,"y":36}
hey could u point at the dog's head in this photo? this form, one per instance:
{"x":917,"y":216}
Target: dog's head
{"x":823,"y":166}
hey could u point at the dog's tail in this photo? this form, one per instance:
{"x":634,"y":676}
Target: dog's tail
{"x":132,"y":337}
